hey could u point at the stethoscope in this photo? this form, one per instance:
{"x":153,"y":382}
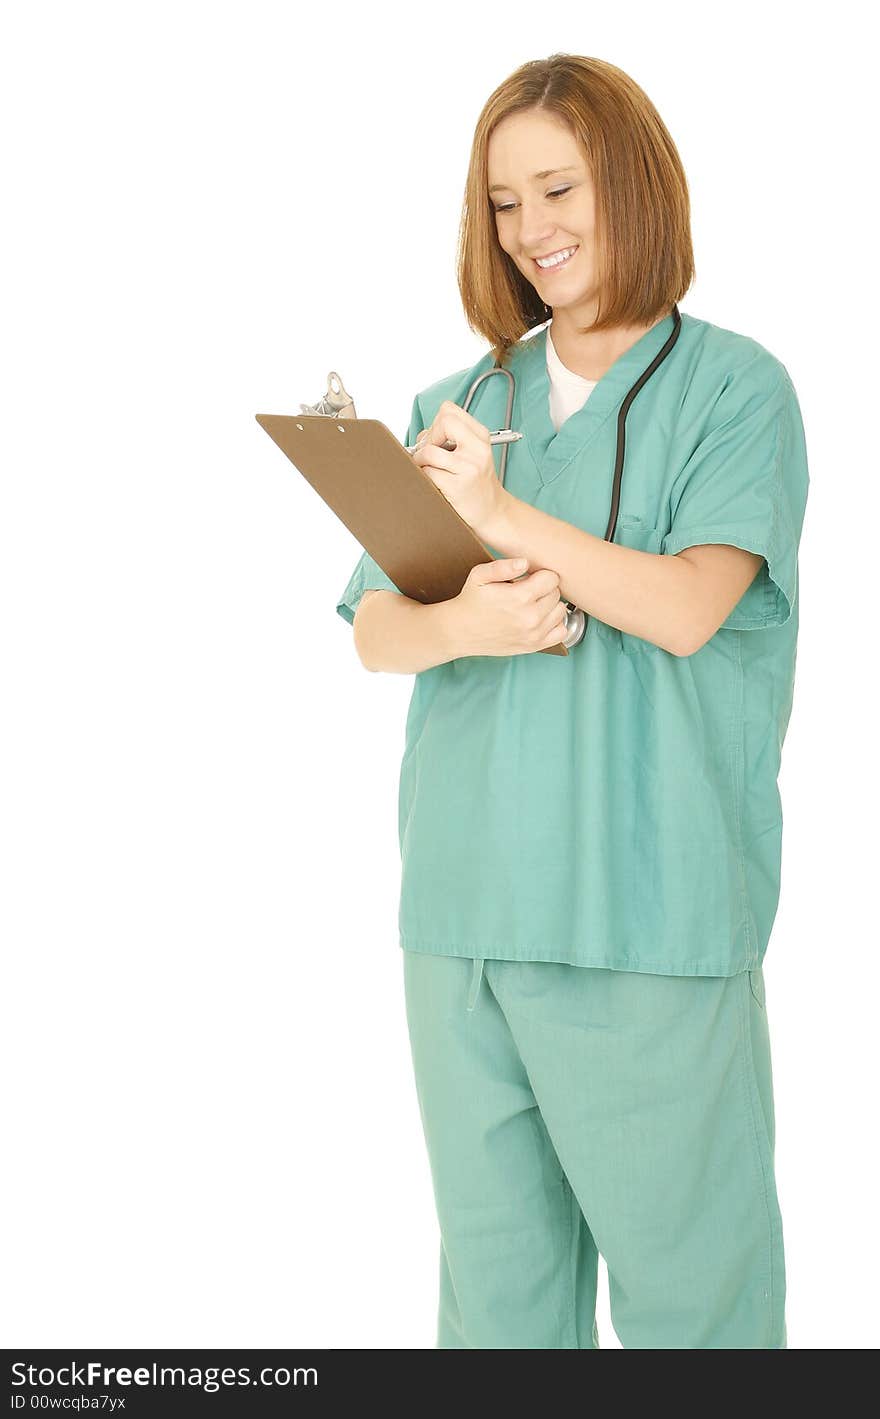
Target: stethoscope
{"x":575,"y":618}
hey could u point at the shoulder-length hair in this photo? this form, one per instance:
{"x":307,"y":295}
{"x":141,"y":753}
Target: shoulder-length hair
{"x":645,"y":260}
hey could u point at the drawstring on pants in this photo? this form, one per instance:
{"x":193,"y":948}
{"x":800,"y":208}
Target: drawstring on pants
{"x":476,"y":978}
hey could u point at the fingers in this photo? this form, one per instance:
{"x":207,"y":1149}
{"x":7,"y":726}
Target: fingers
{"x":551,"y":609}
{"x":541,"y":582}
{"x":430,"y":456}
{"x":554,"y":637}
{"x":557,"y":630}
{"x":453,"y":415}
{"x":451,"y":424}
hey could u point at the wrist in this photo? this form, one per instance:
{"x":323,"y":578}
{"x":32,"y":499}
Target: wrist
{"x":501,"y":533}
{"x":453,"y":629}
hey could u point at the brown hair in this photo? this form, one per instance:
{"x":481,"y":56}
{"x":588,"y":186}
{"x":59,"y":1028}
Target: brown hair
{"x":644,"y":255}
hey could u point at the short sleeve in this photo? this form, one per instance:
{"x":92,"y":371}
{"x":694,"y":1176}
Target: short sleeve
{"x":367,"y":574}
{"x":746,"y":485}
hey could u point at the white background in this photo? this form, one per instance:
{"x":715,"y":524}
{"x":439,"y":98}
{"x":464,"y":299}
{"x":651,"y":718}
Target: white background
{"x":212,"y":1127}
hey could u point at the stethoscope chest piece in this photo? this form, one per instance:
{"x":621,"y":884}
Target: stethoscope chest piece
{"x":576,"y":626}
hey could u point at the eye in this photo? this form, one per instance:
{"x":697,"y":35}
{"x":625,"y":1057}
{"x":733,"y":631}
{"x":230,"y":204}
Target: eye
{"x":558,"y":192}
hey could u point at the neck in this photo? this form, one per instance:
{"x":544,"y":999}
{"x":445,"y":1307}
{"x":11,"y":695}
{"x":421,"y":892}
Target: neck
{"x":592,"y":355}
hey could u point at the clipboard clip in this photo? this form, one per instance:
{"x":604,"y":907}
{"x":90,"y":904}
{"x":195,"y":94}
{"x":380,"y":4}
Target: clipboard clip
{"x":336,"y":402}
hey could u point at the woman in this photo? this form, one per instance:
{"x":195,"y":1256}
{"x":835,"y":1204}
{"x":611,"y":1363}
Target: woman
{"x":591,"y":842}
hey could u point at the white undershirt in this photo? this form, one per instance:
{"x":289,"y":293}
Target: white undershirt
{"x":568,"y":391}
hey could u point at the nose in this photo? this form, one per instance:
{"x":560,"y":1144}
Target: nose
{"x":534,"y":234}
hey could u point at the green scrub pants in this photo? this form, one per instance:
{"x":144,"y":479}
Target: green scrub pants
{"x":571,"y":1110}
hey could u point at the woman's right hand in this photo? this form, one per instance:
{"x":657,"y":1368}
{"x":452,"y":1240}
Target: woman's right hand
{"x":504,"y":611}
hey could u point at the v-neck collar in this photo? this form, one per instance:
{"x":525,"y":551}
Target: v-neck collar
{"x":553,"y":451}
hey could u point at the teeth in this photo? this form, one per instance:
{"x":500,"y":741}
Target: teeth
{"x":558,"y":258}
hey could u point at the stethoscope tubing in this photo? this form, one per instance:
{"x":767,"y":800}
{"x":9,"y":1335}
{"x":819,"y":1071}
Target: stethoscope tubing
{"x":576,"y":619}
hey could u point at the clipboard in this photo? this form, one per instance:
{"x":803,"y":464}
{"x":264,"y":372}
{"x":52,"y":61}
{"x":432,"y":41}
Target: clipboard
{"x":393,"y":508}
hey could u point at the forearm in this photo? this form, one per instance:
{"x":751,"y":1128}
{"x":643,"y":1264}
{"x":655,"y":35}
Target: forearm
{"x":641,"y":593}
{"x":394,"y":633}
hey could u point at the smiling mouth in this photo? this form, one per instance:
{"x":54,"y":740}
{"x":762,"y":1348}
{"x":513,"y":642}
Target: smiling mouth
{"x":557,"y":265}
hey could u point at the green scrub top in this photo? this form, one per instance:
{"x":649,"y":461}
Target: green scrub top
{"x":617,"y":807}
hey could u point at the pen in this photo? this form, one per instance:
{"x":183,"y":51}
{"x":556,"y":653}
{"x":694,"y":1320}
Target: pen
{"x":500,"y":436}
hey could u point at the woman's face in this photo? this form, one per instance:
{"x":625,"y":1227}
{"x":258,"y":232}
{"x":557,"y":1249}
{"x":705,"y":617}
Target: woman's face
{"x":542,"y":194}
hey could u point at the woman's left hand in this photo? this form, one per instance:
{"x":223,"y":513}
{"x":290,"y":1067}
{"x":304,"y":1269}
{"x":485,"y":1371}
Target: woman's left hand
{"x":466,"y":477}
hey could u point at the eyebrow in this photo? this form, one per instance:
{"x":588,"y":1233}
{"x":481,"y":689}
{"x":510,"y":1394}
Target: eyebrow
{"x":537,"y":176}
